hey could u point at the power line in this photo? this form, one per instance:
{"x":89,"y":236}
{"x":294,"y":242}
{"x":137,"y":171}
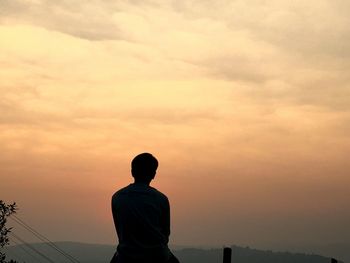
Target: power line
{"x":22,"y":246}
{"x":32,"y":248}
{"x":43,"y":238}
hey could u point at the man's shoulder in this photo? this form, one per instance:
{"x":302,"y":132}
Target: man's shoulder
{"x":121,"y":191}
{"x":158,"y":193}
{"x":139,"y":189}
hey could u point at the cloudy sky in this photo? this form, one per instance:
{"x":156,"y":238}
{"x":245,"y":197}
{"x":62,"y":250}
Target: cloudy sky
{"x":246,"y":104}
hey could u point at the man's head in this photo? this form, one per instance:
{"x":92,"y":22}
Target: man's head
{"x":144,"y":167}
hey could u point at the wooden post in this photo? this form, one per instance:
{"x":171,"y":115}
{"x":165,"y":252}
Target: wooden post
{"x":333,"y":260}
{"x":227,"y":255}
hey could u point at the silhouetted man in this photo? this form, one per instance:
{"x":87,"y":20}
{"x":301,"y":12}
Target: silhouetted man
{"x":141,"y":217}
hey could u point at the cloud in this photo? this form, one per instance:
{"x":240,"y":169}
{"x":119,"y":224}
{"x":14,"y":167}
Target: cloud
{"x":277,"y":52}
{"x":90,"y":20}
{"x":307,"y":27}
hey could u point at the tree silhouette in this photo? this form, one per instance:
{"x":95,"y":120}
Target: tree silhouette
{"x":5,"y":211}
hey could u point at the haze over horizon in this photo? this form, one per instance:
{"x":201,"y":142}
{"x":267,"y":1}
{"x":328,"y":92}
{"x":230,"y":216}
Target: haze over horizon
{"x":246,"y":105}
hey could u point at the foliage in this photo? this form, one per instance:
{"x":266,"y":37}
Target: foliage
{"x":5,"y":211}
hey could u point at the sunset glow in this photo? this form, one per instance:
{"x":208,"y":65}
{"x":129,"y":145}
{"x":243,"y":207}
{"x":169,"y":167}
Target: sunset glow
{"x":246,"y":105}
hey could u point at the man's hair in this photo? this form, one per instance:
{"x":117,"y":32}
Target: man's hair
{"x":144,"y":166}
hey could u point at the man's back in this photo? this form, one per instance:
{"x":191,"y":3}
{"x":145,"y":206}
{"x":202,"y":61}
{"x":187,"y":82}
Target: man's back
{"x":142,"y":219}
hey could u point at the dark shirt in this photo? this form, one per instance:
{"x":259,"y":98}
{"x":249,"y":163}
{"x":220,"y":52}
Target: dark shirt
{"x":142,"y":220}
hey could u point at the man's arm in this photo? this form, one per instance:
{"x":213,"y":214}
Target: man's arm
{"x":114,"y":214}
{"x":166,"y":220}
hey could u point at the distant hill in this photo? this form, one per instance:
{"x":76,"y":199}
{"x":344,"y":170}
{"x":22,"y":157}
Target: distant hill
{"x":93,"y":253}
{"x":246,"y":255}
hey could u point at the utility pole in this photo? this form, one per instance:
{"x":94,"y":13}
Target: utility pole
{"x":227,"y":255}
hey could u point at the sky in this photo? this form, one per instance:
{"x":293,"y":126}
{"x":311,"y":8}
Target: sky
{"x":246,"y":105}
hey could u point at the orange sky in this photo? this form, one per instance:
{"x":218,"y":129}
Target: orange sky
{"x":245,"y":104}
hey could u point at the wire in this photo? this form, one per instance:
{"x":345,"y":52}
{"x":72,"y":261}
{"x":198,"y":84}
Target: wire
{"x":43,"y":238}
{"x":22,"y":246}
{"x":32,"y":248}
